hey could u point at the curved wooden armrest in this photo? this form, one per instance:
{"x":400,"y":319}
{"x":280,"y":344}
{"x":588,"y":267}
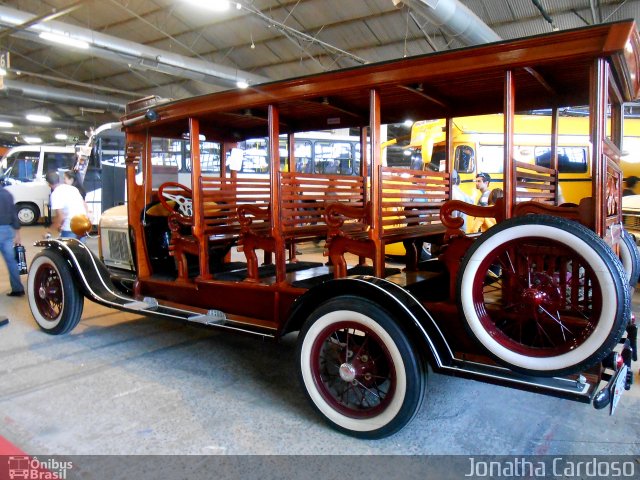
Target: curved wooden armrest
{"x":448,"y":220}
{"x":583,"y":213}
{"x":337,"y":212}
{"x":177,"y":222}
{"x":246,"y":214}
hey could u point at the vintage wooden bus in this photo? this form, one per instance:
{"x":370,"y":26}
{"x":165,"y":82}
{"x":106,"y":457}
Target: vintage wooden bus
{"x":539,"y":302}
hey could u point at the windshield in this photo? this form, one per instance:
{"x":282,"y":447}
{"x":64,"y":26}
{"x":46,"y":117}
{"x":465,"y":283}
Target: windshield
{"x":22,"y":166}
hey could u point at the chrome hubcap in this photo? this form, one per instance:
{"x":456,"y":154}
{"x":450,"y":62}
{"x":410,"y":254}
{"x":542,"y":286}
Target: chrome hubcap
{"x":347,"y":372}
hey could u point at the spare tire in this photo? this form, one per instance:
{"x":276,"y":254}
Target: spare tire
{"x":543,"y":295}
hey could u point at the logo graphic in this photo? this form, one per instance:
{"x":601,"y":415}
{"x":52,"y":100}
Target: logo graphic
{"x":18,"y":467}
{"x":30,"y":468}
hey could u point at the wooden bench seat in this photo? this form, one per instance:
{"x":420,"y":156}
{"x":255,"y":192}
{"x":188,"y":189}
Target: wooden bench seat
{"x":408,"y":212}
{"x":303,"y":197}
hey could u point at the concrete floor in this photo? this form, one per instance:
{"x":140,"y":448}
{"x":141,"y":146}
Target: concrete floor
{"x":126,"y":384}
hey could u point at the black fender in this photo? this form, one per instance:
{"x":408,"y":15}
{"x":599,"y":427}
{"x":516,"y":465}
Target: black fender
{"x":89,"y":273}
{"x":407,"y":311}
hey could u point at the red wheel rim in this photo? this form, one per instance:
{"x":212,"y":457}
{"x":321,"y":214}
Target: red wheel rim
{"x":353,"y":370}
{"x":537,"y":297}
{"x":47,"y":292}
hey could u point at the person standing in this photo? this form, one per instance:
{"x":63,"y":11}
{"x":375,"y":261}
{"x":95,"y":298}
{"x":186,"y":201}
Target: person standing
{"x":458,"y":194}
{"x":66,"y":203}
{"x":10,"y":234}
{"x":70,"y":178}
{"x":482,"y":184}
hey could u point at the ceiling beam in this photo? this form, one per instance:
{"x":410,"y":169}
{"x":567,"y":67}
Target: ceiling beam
{"x":135,"y":55}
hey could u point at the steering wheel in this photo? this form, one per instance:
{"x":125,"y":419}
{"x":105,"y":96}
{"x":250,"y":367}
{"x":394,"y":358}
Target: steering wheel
{"x":183,"y":200}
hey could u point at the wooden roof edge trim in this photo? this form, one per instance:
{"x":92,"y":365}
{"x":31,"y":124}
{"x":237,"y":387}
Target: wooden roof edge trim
{"x":627,"y":62}
{"x":603,"y":39}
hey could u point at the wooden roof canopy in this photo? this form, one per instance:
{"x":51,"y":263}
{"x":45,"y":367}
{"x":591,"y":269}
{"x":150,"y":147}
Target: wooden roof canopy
{"x":549,"y":70}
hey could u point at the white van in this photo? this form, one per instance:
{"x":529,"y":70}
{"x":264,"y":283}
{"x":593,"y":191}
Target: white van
{"x":23,"y":172}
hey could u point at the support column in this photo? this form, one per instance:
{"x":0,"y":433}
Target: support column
{"x":375,"y":233}
{"x":274,"y":197}
{"x":597,"y":112}
{"x":553,"y":158}
{"x":509,"y":171}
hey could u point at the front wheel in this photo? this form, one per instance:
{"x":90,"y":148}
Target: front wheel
{"x":359,"y":369}
{"x":55,"y":300}
{"x":543,"y":295}
{"x":28,"y":213}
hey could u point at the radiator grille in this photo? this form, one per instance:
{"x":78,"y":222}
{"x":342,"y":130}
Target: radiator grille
{"x":118,"y":248}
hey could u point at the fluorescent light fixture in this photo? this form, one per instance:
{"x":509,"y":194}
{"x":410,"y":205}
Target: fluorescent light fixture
{"x":38,"y":118}
{"x":91,"y":110}
{"x":215,"y":5}
{"x":61,"y":136}
{"x":32,"y":139}
{"x":64,"y":40}
{"x":242,"y":84}
{"x":6,"y":125}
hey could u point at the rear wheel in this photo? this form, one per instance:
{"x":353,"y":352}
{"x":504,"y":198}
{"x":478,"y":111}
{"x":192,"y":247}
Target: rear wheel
{"x":359,"y":369}
{"x":543,"y":295}
{"x":55,"y":301}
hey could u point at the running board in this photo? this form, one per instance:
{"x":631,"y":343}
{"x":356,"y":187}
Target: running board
{"x":151,"y":305}
{"x":94,"y":278}
{"x":578,"y":389}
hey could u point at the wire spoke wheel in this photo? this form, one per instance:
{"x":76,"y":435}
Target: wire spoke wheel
{"x":354,"y":371}
{"x":54,"y":298}
{"x":49,"y":296}
{"x":537,"y":297}
{"x":359,"y":369}
{"x":543,"y":295}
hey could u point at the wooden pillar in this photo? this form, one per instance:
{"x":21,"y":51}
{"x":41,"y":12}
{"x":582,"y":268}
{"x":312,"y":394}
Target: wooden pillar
{"x":364,"y":162}
{"x":291,"y":147}
{"x":597,"y":113}
{"x":375,"y":233}
{"x":274,"y":197}
{"x":196,"y":201}
{"x":448,"y":147}
{"x":553,"y":158}
{"x":509,"y":171}
{"x":138,"y":155}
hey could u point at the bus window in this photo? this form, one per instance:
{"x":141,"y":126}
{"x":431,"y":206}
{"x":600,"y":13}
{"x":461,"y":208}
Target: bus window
{"x":167,"y":159}
{"x":322,"y":157}
{"x":490,"y":158}
{"x":54,"y":161}
{"x":465,"y":159}
{"x":570,"y":159}
{"x":333,"y":157}
{"x":168,"y":152}
{"x":302,"y":155}
{"x":209,"y":157}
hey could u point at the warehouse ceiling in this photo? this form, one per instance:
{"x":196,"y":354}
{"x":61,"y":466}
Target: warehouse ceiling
{"x":178,"y":48}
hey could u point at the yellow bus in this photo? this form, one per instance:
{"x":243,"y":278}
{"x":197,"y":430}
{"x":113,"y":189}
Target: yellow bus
{"x":478,"y":147}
